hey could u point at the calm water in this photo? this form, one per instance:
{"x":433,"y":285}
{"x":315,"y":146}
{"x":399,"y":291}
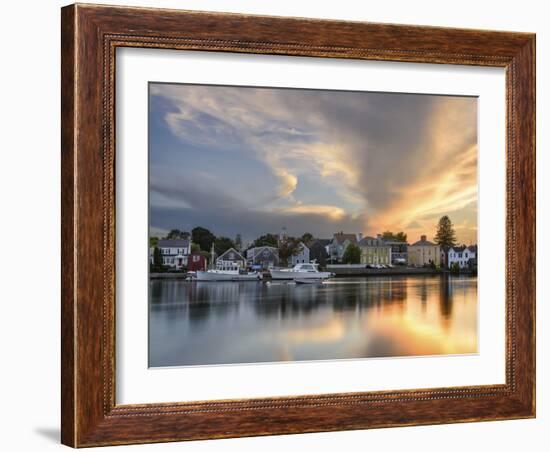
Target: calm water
{"x":192,"y":323}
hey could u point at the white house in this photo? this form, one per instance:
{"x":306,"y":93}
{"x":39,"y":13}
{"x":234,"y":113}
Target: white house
{"x":302,"y":255}
{"x":461,"y":255}
{"x":174,"y":252}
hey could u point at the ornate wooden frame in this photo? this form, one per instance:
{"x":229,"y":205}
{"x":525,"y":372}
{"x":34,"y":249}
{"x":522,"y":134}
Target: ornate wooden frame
{"x":90,"y":35}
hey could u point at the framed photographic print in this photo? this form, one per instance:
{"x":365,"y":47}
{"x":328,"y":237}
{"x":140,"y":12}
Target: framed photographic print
{"x":280,"y":225}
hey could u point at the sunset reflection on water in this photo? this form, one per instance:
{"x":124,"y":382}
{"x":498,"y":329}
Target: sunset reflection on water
{"x":346,"y":318}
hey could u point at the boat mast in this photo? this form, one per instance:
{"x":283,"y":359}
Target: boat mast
{"x":212,"y":253}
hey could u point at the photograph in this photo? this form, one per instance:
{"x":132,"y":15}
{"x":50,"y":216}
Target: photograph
{"x":302,"y":224}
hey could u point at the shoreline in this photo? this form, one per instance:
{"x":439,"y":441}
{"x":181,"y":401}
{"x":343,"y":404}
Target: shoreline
{"x":352,"y":271}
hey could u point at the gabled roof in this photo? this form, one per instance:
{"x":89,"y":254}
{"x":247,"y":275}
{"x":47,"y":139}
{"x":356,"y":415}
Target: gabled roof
{"x":253,"y":252}
{"x":458,"y":249}
{"x":322,"y":242}
{"x":340,"y":238}
{"x":173,"y":243}
{"x":473,"y":248}
{"x":235,"y":257}
{"x":423,"y":243}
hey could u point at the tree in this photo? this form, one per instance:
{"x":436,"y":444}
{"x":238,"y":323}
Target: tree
{"x":157,"y":259}
{"x":267,"y":240}
{"x":445,"y":235}
{"x":238,"y":242}
{"x":390,"y":236}
{"x":352,"y":255}
{"x":288,"y":247}
{"x":153,"y":241}
{"x":207,"y":257}
{"x":202,"y":237}
{"x":307,"y":237}
{"x":222,"y":244}
{"x":177,"y":234}
{"x":195,"y":248}
{"x":400,"y":237}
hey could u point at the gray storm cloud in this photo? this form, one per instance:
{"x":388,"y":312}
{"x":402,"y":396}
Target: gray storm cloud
{"x":339,"y":160}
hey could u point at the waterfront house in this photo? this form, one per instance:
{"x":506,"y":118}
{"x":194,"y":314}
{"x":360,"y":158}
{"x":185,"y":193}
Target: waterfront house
{"x":318,"y":250}
{"x":195,"y":262}
{"x":423,"y":253}
{"x":464,"y":256}
{"x":302,"y":256}
{"x":263,"y":257}
{"x":338,"y":245}
{"x":375,"y":251}
{"x":174,"y":252}
{"x":230,"y":260}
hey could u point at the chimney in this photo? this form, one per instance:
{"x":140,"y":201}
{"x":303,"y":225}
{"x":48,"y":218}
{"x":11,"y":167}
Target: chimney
{"x":359,"y":236}
{"x":423,"y":238}
{"x":378,"y":236}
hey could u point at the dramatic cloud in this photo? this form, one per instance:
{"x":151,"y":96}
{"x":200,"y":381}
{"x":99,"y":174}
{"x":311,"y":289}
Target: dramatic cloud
{"x":252,"y":160}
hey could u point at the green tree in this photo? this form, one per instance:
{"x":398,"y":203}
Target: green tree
{"x":177,"y":234}
{"x":202,"y":237}
{"x":288,"y":247}
{"x":195,"y":248}
{"x":207,"y":257}
{"x":352,"y":255}
{"x":222,"y":244}
{"x":307,"y":237}
{"x":238,"y":242}
{"x":267,"y":240}
{"x":455,"y":268}
{"x":390,"y":236}
{"x":401,"y":237}
{"x":157,"y":259}
{"x":445,"y":235}
{"x":153,"y":241}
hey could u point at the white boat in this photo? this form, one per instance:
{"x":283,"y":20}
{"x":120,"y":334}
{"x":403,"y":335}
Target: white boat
{"x":301,"y":272}
{"x":228,"y":275}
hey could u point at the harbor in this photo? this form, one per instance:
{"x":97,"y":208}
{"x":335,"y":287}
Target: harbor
{"x":223,"y":322}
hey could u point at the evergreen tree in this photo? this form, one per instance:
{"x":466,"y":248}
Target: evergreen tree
{"x":238,"y":242}
{"x":157,"y":259}
{"x":445,"y":235}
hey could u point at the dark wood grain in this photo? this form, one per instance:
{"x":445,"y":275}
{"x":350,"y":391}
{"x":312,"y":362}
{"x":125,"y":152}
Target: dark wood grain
{"x":90,"y":36}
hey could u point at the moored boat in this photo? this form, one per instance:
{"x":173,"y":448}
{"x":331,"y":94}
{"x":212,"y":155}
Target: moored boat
{"x":228,"y":275}
{"x":300,"y":272}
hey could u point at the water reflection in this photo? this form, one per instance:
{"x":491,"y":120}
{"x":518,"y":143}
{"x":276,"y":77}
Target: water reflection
{"x":228,"y":322}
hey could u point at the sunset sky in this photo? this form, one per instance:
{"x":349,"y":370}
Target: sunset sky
{"x":254,"y":160}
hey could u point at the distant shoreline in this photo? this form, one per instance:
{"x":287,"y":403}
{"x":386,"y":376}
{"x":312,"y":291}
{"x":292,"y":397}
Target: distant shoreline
{"x":351,"y":271}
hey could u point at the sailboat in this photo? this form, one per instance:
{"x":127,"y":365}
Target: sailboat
{"x":226,"y":274}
